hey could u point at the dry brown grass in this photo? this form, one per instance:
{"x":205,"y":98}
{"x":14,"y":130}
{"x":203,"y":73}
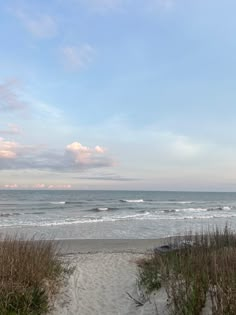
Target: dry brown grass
{"x":191,"y":273}
{"x":29,"y":275}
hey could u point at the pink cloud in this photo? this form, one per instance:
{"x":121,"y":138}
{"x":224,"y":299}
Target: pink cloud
{"x":12,"y":149}
{"x":65,"y":186}
{"x":39,"y":186}
{"x":99,"y":149}
{"x":12,"y":186}
{"x":11,"y":130}
{"x":75,"y":157}
{"x":8,"y":149}
{"x":82,"y":154}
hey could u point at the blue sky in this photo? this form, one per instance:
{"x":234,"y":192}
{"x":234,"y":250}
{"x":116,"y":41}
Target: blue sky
{"x":118,"y":94}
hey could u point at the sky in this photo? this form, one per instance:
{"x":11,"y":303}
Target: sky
{"x":118,"y":94}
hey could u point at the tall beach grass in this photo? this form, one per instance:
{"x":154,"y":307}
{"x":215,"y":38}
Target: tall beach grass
{"x":30,"y":274}
{"x":198,"y":270}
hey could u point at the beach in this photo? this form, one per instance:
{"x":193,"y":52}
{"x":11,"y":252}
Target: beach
{"x":102,"y":234}
{"x":105,"y":278}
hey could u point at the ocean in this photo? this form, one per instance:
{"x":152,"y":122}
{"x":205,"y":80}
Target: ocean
{"x":113,"y":214}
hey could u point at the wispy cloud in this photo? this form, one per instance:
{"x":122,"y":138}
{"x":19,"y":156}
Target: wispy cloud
{"x":11,"y":129}
{"x":102,"y":5}
{"x":44,"y":110}
{"x":106,"y":6}
{"x":10,"y":99}
{"x":39,"y":25}
{"x":77,"y":57}
{"x":108,"y":177}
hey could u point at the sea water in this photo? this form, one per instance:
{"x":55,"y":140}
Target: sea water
{"x":113,"y":214}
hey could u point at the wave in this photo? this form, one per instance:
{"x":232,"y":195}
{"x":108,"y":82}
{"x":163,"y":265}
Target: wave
{"x":226,"y":208}
{"x":198,"y":209}
{"x":5,"y":215}
{"x":192,"y":209}
{"x":189,"y":217}
{"x":170,"y":202}
{"x":95,"y":220}
{"x":169,"y":210}
{"x":102,"y":209}
{"x":185,"y":202}
{"x":137,"y":216}
{"x":36,"y":213}
{"x":132,"y":200}
{"x":75,"y":202}
{"x":57,"y":202}
{"x":185,"y":210}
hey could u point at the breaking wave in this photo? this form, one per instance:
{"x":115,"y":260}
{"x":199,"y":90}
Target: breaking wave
{"x":132,"y":200}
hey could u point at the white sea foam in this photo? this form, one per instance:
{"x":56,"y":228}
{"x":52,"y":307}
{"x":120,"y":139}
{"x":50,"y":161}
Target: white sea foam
{"x":133,"y":216}
{"x":172,"y":202}
{"x":102,"y":209}
{"x":133,"y":200}
{"x":192,"y":209}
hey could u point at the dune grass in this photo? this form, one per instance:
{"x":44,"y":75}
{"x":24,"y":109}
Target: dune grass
{"x":30,"y":274}
{"x":200,"y":268}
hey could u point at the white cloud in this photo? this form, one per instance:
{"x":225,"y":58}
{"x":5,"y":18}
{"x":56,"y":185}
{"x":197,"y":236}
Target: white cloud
{"x":39,"y":25}
{"x":86,"y":156}
{"x":99,"y":149}
{"x":77,"y":57}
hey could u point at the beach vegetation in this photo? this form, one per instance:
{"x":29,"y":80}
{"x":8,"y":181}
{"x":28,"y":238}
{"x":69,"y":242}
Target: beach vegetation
{"x":197,"y":271}
{"x":30,"y":275}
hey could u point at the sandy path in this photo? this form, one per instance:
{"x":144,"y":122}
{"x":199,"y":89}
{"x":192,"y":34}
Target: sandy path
{"x":99,"y":284}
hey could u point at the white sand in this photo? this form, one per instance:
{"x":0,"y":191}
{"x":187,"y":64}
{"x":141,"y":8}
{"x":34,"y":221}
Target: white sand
{"x":104,"y":272}
{"x":99,"y":286}
{"x":102,"y":279}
